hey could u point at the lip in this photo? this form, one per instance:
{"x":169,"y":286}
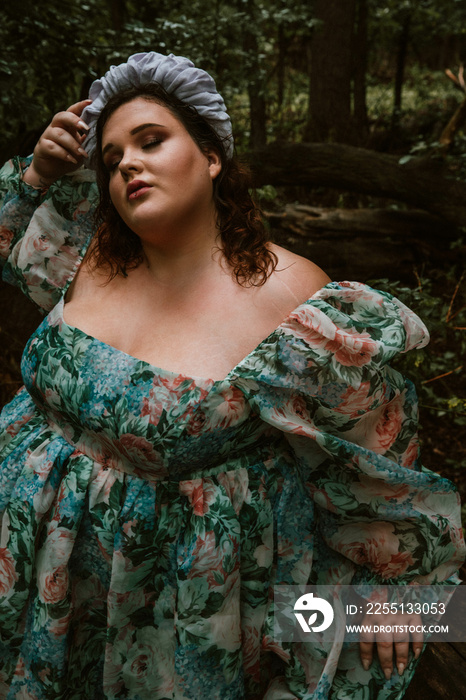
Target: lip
{"x":136,"y":188}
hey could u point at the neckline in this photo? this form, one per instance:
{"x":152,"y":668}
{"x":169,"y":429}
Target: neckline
{"x":160,"y":370}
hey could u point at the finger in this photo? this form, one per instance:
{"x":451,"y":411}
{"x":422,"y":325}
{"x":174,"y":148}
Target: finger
{"x":385,"y":654}
{"x":59,"y":148}
{"x":64,"y":139}
{"x":52,"y":149}
{"x":78,"y":107}
{"x":401,"y":655}
{"x":366,"y":652}
{"x":366,"y":645}
{"x":401,"y":642}
{"x":71,"y":122}
{"x":417,"y":639}
{"x":417,"y":636}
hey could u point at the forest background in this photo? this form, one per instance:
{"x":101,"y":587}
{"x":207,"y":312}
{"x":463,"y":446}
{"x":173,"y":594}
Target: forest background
{"x":351,"y":115}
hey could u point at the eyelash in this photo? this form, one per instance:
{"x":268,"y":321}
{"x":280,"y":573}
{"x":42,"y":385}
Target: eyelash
{"x":154,"y":142}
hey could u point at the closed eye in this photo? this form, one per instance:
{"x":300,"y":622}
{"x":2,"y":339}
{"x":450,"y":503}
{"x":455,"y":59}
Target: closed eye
{"x":151,"y":143}
{"x":112,"y":165}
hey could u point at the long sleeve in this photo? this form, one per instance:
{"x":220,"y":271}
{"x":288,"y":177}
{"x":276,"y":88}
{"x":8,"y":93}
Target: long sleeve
{"x":351,"y":423}
{"x":43,"y":237}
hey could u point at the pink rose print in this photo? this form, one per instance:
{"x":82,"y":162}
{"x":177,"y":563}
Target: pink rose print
{"x":356,"y":401}
{"x":310,"y":324}
{"x":140,"y":454}
{"x":6,"y":236}
{"x":251,"y":651}
{"x":299,"y":407}
{"x":8,"y":575}
{"x":41,"y":242}
{"x":60,"y":626}
{"x":412,"y":452}
{"x":229,"y":409}
{"x":270,"y":644}
{"x":19,"y":670}
{"x":378,"y":430}
{"x":59,"y":267}
{"x":370,"y":490}
{"x":388,"y":427}
{"x":196,"y":423}
{"x":236,"y":486}
{"x":352,"y":349}
{"x":374,"y":545}
{"x":397,"y":565}
{"x":200,"y":492}
{"x":13,"y":428}
{"x":44,"y":674}
{"x":207,"y":556}
{"x":166,"y":393}
{"x":294,"y":416}
{"x":54,"y":585}
{"x":151,"y":408}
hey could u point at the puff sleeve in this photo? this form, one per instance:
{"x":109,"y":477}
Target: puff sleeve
{"x":324,"y":381}
{"x":43,"y":236}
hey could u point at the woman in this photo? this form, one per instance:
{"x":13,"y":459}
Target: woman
{"x":205,"y":416}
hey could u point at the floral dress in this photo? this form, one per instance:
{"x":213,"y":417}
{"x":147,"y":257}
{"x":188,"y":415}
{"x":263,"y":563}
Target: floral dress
{"x":148,"y":515}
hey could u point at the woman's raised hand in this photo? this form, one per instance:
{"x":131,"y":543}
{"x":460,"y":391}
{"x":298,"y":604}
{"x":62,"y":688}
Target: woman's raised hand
{"x":59,"y":149}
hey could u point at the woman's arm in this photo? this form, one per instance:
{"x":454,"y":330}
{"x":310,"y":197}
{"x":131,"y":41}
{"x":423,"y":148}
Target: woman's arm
{"x":46,"y":214}
{"x":351,"y":422}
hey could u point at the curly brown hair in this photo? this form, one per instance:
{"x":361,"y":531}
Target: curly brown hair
{"x":244,"y":240}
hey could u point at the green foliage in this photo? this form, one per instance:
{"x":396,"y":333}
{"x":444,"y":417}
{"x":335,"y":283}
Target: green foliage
{"x":430,"y":20}
{"x":53,"y":51}
{"x":439,"y":369}
{"x":265,"y":194}
{"x":426,"y":93}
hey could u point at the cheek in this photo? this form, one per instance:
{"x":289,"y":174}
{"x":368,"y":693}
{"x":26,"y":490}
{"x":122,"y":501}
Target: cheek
{"x":115,"y":193}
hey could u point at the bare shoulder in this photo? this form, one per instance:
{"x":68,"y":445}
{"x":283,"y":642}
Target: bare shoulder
{"x":299,"y":276}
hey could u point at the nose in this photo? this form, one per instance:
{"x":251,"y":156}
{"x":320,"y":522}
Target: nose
{"x":129,"y":163}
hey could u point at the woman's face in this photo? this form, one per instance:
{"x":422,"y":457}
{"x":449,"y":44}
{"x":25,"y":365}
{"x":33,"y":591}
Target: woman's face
{"x":159,"y":177}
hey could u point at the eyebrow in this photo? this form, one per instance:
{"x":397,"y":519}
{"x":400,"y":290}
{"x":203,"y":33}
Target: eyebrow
{"x":134,"y":131}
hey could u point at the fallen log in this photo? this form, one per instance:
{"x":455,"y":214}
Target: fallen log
{"x":305,"y":220}
{"x":364,"y":243}
{"x":419,"y":182}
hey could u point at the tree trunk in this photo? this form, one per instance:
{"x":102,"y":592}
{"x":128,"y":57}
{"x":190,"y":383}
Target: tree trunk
{"x":117,"y":14}
{"x":400,"y":69}
{"x":282,"y":46}
{"x":256,"y":87}
{"x":359,"y":72}
{"x":331,"y":72}
{"x":417,"y":183}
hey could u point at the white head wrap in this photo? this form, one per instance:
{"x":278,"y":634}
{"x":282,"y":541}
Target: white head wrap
{"x":177,"y":75}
